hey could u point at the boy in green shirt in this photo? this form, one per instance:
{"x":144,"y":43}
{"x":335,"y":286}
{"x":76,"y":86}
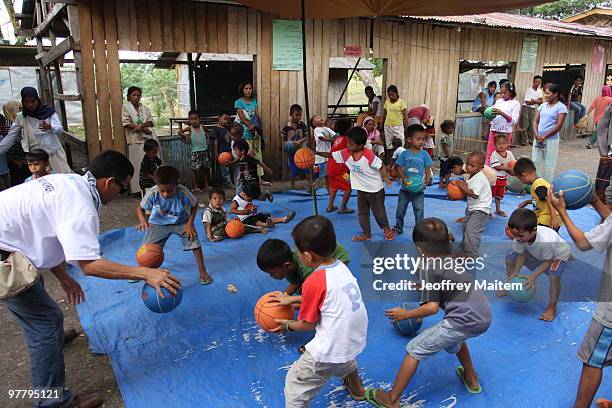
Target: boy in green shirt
{"x":276,"y":258}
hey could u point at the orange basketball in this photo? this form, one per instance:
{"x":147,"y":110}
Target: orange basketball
{"x":454,"y":193}
{"x":234,"y":228}
{"x":266,"y":311}
{"x":511,"y":164}
{"x":304,"y":158}
{"x":509,"y":233}
{"x":150,"y":256}
{"x":225,"y":158}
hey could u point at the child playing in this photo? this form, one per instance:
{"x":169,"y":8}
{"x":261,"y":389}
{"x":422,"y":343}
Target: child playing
{"x":330,"y":304}
{"x":337,"y":173}
{"x":38,"y":163}
{"x":525,"y":170}
{"x":455,"y":164}
{"x":200,"y":163}
{"x":541,"y":250}
{"x":215,"y":217}
{"x":398,"y":147}
{"x":500,"y":162}
{"x":596,"y":349}
{"x":374,"y":142}
{"x":148,"y":166}
{"x":247,"y":168}
{"x":173,"y":210}
{"x":413,"y":162}
{"x":467,"y":314}
{"x":296,"y":132}
{"x":276,"y":258}
{"x":478,"y":211}
{"x":446,"y":141}
{"x":395,"y":115}
{"x":324,"y":137}
{"x":221,"y":143}
{"x":367,"y":174}
{"x":330,"y":123}
{"x":244,"y":209}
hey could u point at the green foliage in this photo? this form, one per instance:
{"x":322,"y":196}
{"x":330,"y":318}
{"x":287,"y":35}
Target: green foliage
{"x":159,"y":88}
{"x":560,"y":9}
{"x":378,"y":71}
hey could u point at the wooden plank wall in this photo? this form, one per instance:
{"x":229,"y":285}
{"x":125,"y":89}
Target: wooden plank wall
{"x":423,"y":59}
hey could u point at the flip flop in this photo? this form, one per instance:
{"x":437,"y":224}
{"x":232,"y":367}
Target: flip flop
{"x":460,"y":373}
{"x":206,"y":281}
{"x":346,"y":211}
{"x":329,"y":210}
{"x":290,"y":217}
{"x":351,"y":393}
{"x":361,"y":237}
{"x":370,"y":397}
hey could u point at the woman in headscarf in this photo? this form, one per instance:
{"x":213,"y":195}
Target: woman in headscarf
{"x":16,"y":157}
{"x":39,"y":127}
{"x":138,"y":124}
{"x":599,"y":105}
{"x":374,"y":142}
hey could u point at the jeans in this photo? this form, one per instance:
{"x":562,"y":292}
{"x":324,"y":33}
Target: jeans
{"x":418,"y":207}
{"x":42,"y":322}
{"x":579,"y":111}
{"x":375,"y":202}
{"x":224,"y":174}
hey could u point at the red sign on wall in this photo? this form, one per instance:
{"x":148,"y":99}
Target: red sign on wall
{"x":353,"y":51}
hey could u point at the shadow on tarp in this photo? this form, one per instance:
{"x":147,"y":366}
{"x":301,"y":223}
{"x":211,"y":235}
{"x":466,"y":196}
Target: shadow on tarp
{"x":209,"y":352}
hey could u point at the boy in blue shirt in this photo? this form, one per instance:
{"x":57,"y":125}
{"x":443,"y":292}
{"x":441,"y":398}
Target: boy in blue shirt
{"x":173,"y":209}
{"x":414,"y":168}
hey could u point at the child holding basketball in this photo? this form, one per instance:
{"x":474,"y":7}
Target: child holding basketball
{"x":500,"y":162}
{"x":330,"y":304}
{"x":295,"y":132}
{"x":195,"y":135}
{"x":173,"y":210}
{"x":324,"y":136}
{"x":247,"y":168}
{"x":276,"y":258}
{"x":242,"y":206}
{"x":446,"y":141}
{"x":525,"y":170}
{"x":215,"y":217}
{"x":467,"y":314}
{"x":337,"y":173}
{"x":414,"y":169}
{"x":597,"y":338}
{"x":542,"y":250}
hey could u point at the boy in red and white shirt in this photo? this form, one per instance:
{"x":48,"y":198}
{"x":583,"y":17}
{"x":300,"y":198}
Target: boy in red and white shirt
{"x":331,"y":304}
{"x":500,"y":162}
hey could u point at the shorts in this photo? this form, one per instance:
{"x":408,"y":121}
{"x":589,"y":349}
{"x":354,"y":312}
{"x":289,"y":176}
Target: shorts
{"x":499,"y":189}
{"x":322,"y":169}
{"x":253,"y":219}
{"x":441,"y":336}
{"x":200,"y":160}
{"x":391,"y":132}
{"x":340,"y":182}
{"x":596,"y":347}
{"x":445,"y":169}
{"x":430,"y":151}
{"x":159,"y":234}
{"x":306,"y":377}
{"x":556,"y":269}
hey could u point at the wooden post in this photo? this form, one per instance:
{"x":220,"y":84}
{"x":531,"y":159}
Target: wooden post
{"x":58,"y":81}
{"x":43,"y":75}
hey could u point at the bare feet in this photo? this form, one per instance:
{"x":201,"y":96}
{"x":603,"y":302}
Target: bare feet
{"x":501,"y":213}
{"x":549,"y":314}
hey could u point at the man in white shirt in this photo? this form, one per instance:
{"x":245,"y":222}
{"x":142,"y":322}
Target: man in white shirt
{"x":43,"y":224}
{"x":534,"y":96}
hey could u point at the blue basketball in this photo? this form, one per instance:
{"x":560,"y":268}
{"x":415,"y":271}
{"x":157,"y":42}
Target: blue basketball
{"x":577,"y":188}
{"x":289,"y":147}
{"x":523,"y":295}
{"x":414,"y":183}
{"x":408,"y":327}
{"x":157,"y":304}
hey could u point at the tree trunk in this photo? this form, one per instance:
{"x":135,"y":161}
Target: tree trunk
{"x":367,"y":77}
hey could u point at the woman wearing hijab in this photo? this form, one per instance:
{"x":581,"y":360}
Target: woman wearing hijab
{"x":599,"y":105}
{"x":138,"y":124}
{"x":374,"y":142}
{"x":39,"y":127}
{"x":16,"y":157}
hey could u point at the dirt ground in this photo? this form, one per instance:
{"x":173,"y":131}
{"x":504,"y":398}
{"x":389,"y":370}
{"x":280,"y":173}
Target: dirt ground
{"x":88,"y":372}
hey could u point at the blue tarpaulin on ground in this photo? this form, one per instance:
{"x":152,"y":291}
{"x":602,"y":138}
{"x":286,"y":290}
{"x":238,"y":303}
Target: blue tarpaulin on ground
{"x":209,"y":352}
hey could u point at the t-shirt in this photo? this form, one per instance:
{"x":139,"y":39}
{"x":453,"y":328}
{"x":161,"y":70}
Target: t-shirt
{"x":210,"y":212}
{"x":414,"y":164}
{"x":599,"y":106}
{"x":331,"y":298}
{"x":531,"y":93}
{"x":247,"y":169}
{"x":489,"y":99}
{"x":293,"y":132}
{"x":600,"y":239}
{"x":323,"y":145}
{"x":222,"y":136}
{"x":448,"y":141}
{"x":301,"y":272}
{"x":242,"y":204}
{"x":172,"y":211}
{"x":548,"y":245}
{"x":395,"y":112}
{"x":511,"y":107}
{"x":198,"y":140}
{"x":379,"y":107}
{"x":249,"y":109}
{"x":52,"y":219}
{"x":148,"y":166}
{"x":398,"y":151}
{"x":467,"y":311}
{"x":499,"y":160}
{"x":576,"y":93}
{"x":548,"y":117}
{"x":479,"y":184}
{"x":539,"y":191}
{"x":365,"y":174}
{"x":334,"y":168}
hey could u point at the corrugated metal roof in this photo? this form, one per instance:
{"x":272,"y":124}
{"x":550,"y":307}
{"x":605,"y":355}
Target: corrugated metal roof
{"x":506,"y":20}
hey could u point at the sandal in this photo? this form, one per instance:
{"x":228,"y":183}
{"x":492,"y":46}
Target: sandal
{"x":330,"y":210}
{"x":290,"y":217}
{"x":389,"y":235}
{"x":370,"y":396}
{"x":361,"y":237}
{"x":461,"y":374}
{"x":351,"y":393}
{"x":346,"y":211}
{"x":397,"y":230}
{"x":206,"y":281}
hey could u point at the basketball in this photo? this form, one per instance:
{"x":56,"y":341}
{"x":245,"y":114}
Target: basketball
{"x":577,"y":188}
{"x":289,"y":147}
{"x":249,"y":207}
{"x":509,"y":233}
{"x":304,"y":158}
{"x":414,"y":183}
{"x":511,"y":164}
{"x":521,"y":295}
{"x":225,"y":158}
{"x":158,"y":305}
{"x":266,"y":311}
{"x":234,"y":228}
{"x":150,"y":256}
{"x":514,"y":185}
{"x":408,"y":327}
{"x":488,"y":113}
{"x":453,"y":192}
